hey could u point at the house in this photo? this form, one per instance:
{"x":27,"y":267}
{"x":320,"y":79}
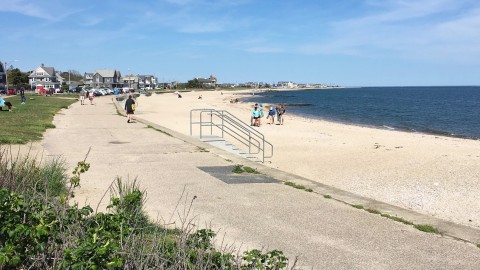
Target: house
{"x":147,"y":81}
{"x":44,"y":76}
{"x":130,"y":81}
{"x":208,"y":82}
{"x":109,"y":78}
{"x":88,"y":79}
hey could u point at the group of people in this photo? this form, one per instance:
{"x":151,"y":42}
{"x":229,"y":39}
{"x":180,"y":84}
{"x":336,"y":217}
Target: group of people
{"x":86,"y":95}
{"x":9,"y":105}
{"x":258,"y":113}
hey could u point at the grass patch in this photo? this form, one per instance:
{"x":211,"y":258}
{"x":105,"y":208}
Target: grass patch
{"x":28,"y":122}
{"x":241,"y":169}
{"x":250,"y":170}
{"x":201,"y":149}
{"x":164,"y":132}
{"x":297,"y":186}
{"x":426,"y":228}
{"x":398,"y":219}
{"x":327,"y":196}
{"x":228,"y":160}
{"x":358,"y":206}
{"x":373,"y":211}
{"x":237,"y":169}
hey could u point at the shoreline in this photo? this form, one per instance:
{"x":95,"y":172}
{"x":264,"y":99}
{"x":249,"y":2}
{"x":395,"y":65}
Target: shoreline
{"x":434,"y":175}
{"x":426,"y":131}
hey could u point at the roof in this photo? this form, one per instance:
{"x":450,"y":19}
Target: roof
{"x":106,"y":73}
{"x":50,"y":72}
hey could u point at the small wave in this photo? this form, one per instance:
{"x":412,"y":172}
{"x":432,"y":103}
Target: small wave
{"x":388,"y":127}
{"x":298,"y":104}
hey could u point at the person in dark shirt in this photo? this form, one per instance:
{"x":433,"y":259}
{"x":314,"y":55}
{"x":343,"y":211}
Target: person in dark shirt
{"x":22,"y":94}
{"x":130,"y":108}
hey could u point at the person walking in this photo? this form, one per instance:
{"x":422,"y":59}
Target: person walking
{"x":22,"y":94}
{"x":271,"y":114}
{"x":82,"y":97}
{"x":90,"y":97}
{"x":130,"y":108}
{"x":280,"y":113}
{"x":255,"y":116}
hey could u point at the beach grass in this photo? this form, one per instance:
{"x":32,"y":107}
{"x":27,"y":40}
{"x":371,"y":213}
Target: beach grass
{"x":29,"y":121}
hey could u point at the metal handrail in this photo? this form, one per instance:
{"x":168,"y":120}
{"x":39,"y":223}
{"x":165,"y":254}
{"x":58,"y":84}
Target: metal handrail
{"x":232,"y":126}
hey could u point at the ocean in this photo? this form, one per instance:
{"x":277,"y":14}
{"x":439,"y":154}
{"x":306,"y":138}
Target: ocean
{"x":446,"y":110}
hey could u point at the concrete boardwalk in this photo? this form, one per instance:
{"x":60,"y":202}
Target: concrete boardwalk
{"x":251,"y":212}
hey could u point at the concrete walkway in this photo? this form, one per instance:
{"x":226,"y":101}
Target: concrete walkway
{"x":249,"y":211}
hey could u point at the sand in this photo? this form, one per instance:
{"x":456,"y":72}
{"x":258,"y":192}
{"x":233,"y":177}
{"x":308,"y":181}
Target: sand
{"x":434,"y":175}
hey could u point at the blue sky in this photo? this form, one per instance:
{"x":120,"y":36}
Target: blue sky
{"x":344,"y":42}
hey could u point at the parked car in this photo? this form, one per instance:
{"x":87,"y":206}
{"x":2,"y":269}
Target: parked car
{"x":3,"y":91}
{"x":97,"y":92}
{"x":11,"y":92}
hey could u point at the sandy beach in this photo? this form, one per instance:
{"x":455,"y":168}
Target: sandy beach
{"x":434,"y":175}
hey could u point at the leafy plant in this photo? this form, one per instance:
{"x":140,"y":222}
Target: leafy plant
{"x":255,"y":259}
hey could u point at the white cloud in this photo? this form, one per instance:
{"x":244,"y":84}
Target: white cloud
{"x":430,"y":29}
{"x":25,"y":8}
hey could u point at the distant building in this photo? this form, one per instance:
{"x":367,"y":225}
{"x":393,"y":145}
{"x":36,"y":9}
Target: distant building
{"x":147,"y":81}
{"x":208,"y":82}
{"x":88,"y":79}
{"x":109,"y":78}
{"x":44,"y":76}
{"x":130,"y":81}
{"x":286,"y":85}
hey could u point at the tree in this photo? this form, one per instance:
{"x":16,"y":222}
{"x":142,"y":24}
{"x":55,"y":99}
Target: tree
{"x":75,"y":76}
{"x":194,"y":84}
{"x":17,"y":78}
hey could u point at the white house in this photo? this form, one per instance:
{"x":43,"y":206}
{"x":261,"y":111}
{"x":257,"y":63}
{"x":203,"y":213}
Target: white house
{"x":44,"y":76}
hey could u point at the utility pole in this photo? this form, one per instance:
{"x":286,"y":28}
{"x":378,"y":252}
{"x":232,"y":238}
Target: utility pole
{"x":6,"y":73}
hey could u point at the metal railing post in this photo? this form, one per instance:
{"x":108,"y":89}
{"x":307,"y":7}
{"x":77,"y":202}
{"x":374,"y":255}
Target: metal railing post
{"x":201,"y":125}
{"x":211,"y":122}
{"x":223,"y":123}
{"x":191,"y":124}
